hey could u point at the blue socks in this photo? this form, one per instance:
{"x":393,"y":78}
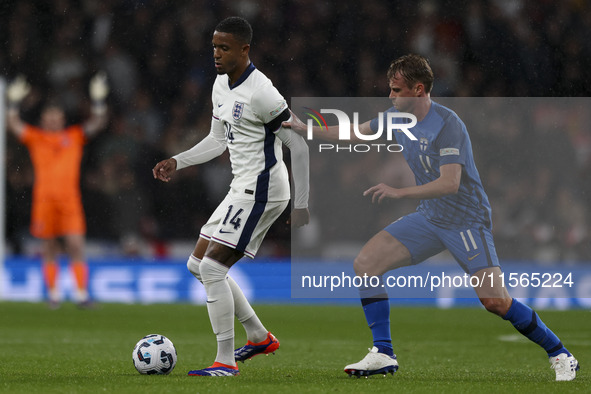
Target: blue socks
{"x":376,"y":307}
{"x":528,"y":323}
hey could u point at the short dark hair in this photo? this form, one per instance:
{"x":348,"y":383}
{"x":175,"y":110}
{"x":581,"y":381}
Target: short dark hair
{"x":239,"y":27}
{"x":52,"y":103}
{"x":413,"y":68}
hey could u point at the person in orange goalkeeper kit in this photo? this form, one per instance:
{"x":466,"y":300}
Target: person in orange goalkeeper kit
{"x":56,"y":153}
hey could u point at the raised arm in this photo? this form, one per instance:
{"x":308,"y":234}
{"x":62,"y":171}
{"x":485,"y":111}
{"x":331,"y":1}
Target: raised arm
{"x":99,"y":89}
{"x":17,"y":90}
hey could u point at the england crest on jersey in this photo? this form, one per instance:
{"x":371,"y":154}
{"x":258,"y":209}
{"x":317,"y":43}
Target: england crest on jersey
{"x":237,"y":110}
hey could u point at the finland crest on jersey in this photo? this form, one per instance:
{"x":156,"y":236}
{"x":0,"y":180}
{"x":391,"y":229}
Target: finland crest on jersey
{"x":248,"y":113}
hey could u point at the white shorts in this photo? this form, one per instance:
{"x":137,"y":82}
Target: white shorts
{"x":242,"y":224}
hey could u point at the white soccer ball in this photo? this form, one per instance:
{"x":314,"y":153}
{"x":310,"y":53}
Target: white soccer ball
{"x":154,"y":354}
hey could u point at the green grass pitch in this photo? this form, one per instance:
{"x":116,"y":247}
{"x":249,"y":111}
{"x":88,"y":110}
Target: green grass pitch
{"x":452,"y":351}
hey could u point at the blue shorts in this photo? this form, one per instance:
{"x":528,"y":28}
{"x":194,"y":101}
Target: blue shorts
{"x":472,"y":247}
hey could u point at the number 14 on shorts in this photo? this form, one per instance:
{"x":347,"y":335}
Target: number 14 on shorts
{"x":234,"y":218}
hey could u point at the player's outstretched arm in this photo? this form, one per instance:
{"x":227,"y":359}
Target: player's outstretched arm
{"x":164,"y":170}
{"x":330,"y":133}
{"x":213,"y":145}
{"x":295,"y":124}
{"x":448,"y":183}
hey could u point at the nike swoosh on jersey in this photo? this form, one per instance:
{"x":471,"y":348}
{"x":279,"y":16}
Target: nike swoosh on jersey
{"x":225,"y":232}
{"x":473,"y":257}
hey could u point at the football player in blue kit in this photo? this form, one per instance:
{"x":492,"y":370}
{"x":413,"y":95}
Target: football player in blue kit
{"x":453,"y":213}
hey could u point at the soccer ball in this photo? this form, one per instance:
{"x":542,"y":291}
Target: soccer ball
{"x":154,"y":354}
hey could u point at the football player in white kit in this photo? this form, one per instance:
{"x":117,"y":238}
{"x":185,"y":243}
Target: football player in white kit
{"x":248,"y":113}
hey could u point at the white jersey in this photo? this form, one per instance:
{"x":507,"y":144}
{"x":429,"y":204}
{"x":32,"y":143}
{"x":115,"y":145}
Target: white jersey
{"x":249,"y":113}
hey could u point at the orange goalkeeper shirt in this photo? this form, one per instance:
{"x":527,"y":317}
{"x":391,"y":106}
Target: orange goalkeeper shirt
{"x":56,"y":158}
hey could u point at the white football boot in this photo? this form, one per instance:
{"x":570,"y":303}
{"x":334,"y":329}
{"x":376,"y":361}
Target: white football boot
{"x":565,"y":366}
{"x":372,"y":364}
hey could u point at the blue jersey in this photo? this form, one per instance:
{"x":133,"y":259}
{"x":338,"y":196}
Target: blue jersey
{"x":443,"y":139}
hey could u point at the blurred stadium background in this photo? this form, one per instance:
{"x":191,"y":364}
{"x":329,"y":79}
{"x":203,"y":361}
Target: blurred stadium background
{"x":157,"y":56}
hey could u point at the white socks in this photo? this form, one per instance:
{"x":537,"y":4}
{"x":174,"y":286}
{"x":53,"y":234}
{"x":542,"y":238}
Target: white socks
{"x":255,"y":331}
{"x":220,"y":307}
{"x":214,"y":277}
{"x":193,"y":266}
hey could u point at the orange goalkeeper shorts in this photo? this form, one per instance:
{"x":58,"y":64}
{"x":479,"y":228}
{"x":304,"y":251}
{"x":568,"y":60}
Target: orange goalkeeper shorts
{"x":52,"y":218}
